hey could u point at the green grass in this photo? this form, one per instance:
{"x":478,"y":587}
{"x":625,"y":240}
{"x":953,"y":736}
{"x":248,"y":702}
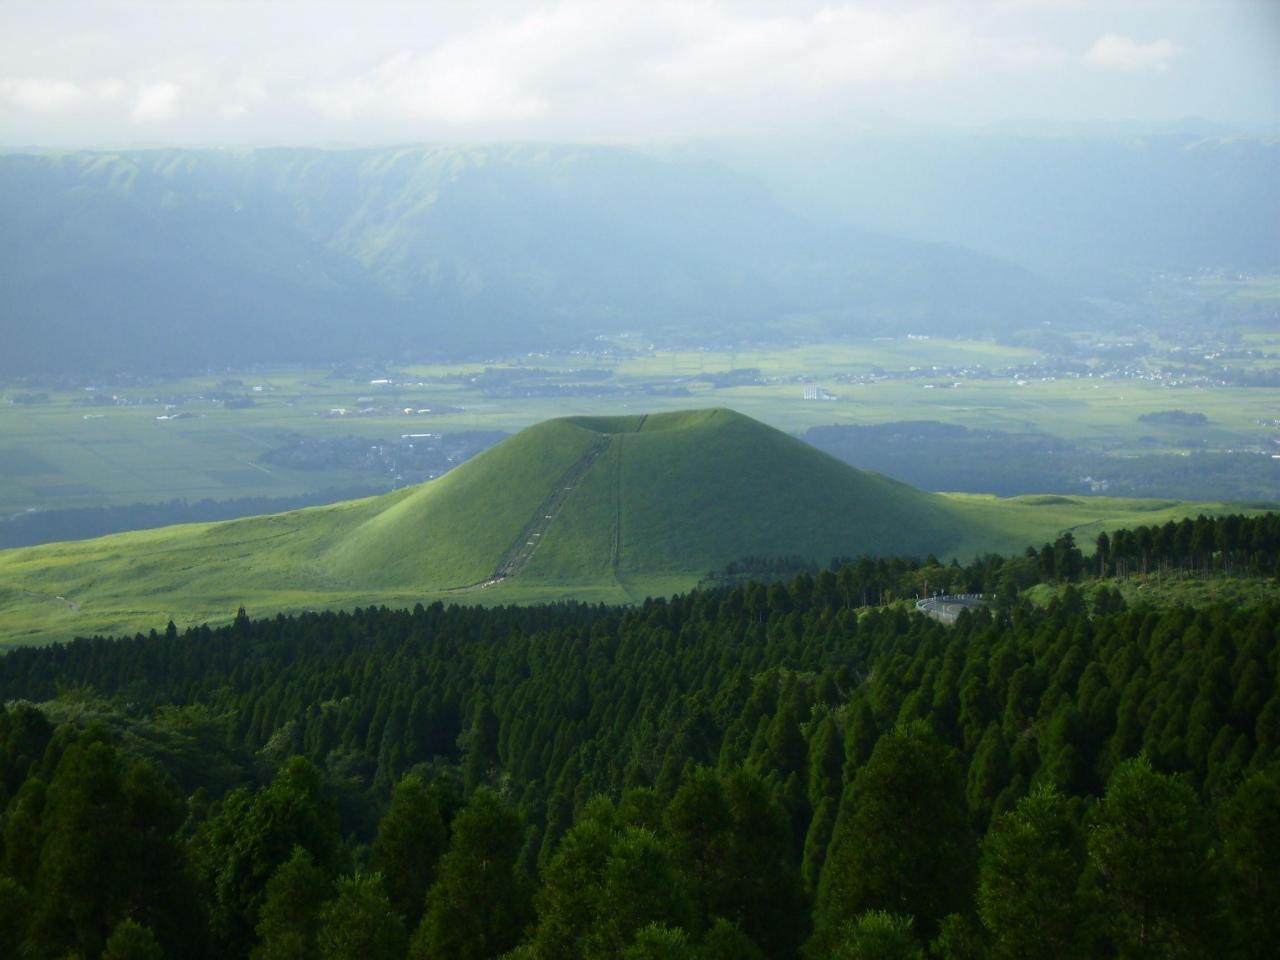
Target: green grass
{"x":1015,"y":522}
{"x":52,"y":457}
{"x":686,"y":493}
{"x":1170,"y":591}
{"x":669,"y":498}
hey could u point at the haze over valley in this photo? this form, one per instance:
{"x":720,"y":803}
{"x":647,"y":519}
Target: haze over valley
{"x":446,"y":253}
{"x":299,"y":303}
{"x":565,"y":480}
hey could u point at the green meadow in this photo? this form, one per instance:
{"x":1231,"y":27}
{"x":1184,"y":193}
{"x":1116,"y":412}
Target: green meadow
{"x":619,"y":508}
{"x":139,"y":581}
{"x":64,"y":452}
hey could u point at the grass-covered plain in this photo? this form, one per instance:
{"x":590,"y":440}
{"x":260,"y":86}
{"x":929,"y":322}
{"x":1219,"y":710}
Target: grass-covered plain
{"x":64,"y":452}
{"x":663,"y":500}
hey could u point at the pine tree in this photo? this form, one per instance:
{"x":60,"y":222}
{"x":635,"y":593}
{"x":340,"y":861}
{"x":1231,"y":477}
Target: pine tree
{"x":1030,"y":868}
{"x":478,"y":905}
{"x":360,"y":923}
{"x":1250,"y":821}
{"x":724,"y":941}
{"x":15,"y":904}
{"x":107,"y":853}
{"x":291,"y":909}
{"x":132,"y":941}
{"x":411,"y":839}
{"x":904,"y":843}
{"x":239,"y":849}
{"x":656,"y":942}
{"x":877,"y":935}
{"x":640,"y":887}
{"x":1150,"y":847}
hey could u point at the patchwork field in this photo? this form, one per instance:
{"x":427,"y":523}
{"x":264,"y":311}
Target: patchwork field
{"x":76,"y":444}
{"x":101,"y":444}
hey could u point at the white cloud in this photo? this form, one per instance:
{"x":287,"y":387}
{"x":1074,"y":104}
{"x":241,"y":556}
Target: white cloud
{"x":247,"y":93}
{"x":156,"y":102}
{"x":665,"y":59}
{"x":39,"y":94}
{"x":445,"y":86}
{"x":845,"y":48}
{"x":233,"y":111}
{"x":390,"y":70}
{"x":1115,"y":52}
{"x":110,"y":91}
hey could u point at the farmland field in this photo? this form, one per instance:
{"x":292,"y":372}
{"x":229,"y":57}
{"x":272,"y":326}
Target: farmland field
{"x":96,"y":444}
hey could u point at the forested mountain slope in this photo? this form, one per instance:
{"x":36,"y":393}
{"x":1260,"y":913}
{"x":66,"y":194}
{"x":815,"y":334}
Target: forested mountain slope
{"x":773,"y":775}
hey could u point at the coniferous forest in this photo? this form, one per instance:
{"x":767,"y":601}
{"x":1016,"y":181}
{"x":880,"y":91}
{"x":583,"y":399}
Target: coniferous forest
{"x":792,"y":769}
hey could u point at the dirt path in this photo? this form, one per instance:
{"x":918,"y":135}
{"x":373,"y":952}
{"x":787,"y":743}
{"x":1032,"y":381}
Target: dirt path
{"x":521,"y":552}
{"x":526,"y":545}
{"x":615,"y":542}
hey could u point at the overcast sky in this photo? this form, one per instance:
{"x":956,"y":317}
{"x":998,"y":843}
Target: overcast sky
{"x":80,"y":72}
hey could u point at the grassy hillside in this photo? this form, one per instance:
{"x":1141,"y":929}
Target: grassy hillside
{"x":597,"y":508}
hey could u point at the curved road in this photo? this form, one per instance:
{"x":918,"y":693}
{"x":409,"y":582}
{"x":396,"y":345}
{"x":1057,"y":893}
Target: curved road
{"x":947,"y":608}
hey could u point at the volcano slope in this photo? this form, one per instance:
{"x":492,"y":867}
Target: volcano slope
{"x":593,"y":508}
{"x":629,"y":500}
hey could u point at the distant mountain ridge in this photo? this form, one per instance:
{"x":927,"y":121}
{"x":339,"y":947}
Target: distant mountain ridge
{"x":1092,"y":206}
{"x":165,"y":258}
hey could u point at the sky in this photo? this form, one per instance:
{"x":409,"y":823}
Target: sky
{"x":121,"y":72}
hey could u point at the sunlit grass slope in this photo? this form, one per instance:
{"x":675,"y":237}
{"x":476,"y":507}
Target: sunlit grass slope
{"x":452,"y":531}
{"x":1009,"y":523}
{"x":694,"y":491}
{"x":594,"y":508}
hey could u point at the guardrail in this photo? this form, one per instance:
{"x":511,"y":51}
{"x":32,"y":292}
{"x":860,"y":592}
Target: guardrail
{"x":950,"y":598}
{"x":943,"y":607}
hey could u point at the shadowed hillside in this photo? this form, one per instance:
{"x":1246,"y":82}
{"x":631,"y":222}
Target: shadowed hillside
{"x":179,"y":258}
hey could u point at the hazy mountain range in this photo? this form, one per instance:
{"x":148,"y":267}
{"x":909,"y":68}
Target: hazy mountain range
{"x":164,"y":258}
{"x":1101,"y":210}
{"x":157,"y":258}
